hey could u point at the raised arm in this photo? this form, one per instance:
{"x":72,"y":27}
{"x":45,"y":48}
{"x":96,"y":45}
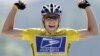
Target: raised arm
{"x":8,"y":28}
{"x":92,"y":28}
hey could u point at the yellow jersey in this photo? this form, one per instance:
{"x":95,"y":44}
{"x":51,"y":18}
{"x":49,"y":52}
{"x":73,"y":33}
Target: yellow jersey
{"x":44,"y":44}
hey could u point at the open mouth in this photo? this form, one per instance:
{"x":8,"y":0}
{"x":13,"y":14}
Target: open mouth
{"x":50,"y":26}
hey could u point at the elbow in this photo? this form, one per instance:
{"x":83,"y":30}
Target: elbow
{"x":6,"y":30}
{"x":97,"y":33}
{"x":3,"y":32}
{"x":94,"y":33}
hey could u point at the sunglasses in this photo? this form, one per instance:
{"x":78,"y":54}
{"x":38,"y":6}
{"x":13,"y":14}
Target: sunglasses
{"x":51,"y":16}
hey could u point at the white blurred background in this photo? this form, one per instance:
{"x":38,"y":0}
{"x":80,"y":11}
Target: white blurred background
{"x":72,"y":17}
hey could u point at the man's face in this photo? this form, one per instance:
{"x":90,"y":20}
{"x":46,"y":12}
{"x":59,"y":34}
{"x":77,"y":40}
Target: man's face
{"x":51,"y":23}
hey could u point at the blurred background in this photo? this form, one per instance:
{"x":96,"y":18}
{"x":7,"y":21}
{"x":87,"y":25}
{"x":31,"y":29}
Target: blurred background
{"x":72,"y":17}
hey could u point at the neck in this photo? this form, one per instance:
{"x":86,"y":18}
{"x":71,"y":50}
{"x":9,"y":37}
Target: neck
{"x":51,"y":33}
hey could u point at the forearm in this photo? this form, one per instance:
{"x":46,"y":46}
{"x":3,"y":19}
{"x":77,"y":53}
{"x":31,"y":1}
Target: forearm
{"x":92,"y":26}
{"x":9,"y":23}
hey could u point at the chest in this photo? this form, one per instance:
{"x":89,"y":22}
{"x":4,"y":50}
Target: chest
{"x":50,"y":45}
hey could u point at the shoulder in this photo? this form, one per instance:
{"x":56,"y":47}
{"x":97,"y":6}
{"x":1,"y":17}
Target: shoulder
{"x":33,"y":30}
{"x":66,"y":29}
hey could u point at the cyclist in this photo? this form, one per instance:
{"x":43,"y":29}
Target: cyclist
{"x":52,"y":40}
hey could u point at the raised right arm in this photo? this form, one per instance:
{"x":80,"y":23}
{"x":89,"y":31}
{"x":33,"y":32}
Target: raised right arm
{"x":8,"y":28}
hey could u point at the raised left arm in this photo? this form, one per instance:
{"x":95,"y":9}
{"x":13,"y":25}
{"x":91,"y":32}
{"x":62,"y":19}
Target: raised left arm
{"x":92,"y":28}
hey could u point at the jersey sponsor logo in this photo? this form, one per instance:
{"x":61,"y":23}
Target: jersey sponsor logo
{"x":50,"y":44}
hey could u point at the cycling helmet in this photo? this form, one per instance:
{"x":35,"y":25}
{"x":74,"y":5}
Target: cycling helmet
{"x":51,"y":9}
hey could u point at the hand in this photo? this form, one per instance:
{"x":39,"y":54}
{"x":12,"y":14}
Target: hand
{"x":20,"y":5}
{"x":83,"y":4}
